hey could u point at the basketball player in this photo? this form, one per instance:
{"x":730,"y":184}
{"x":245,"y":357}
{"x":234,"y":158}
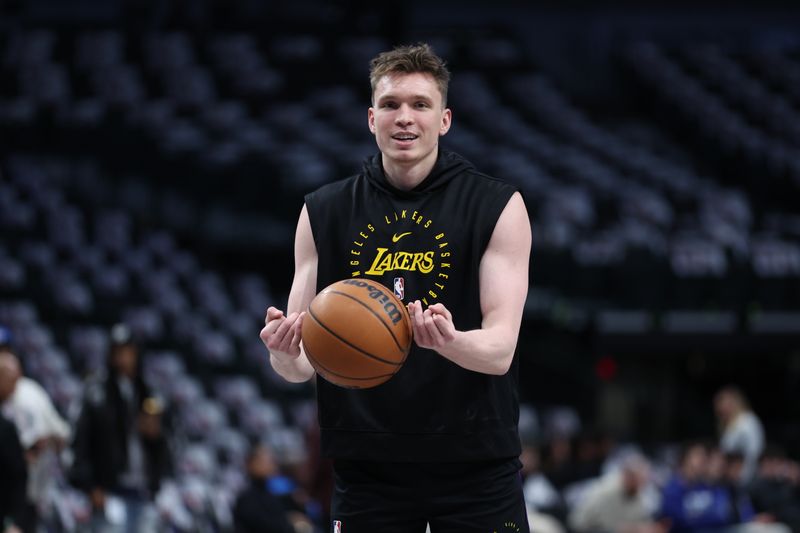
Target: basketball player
{"x":438,"y":442}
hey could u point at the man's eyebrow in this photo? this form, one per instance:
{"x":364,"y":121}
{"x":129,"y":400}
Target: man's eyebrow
{"x":392,"y":96}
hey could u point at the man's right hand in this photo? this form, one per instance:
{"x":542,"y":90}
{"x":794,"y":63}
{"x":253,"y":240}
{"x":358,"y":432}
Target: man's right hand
{"x":281,"y":334}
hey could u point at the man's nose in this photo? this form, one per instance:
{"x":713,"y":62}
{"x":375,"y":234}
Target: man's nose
{"x":404,"y":116}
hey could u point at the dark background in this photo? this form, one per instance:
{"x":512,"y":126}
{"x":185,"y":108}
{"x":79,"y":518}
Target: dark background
{"x":590,"y":331}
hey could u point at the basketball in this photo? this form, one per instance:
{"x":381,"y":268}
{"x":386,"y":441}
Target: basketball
{"x":356,"y":333}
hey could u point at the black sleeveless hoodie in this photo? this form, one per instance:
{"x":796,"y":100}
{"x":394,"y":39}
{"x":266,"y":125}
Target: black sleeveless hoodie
{"x":426,"y":244}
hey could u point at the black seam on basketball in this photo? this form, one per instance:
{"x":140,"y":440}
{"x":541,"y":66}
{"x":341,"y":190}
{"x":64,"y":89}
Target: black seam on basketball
{"x":380,"y":319}
{"x":328,"y":370}
{"x":350,"y":344}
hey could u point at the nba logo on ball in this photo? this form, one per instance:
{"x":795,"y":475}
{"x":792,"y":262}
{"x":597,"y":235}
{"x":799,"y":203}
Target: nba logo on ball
{"x":337,"y":526}
{"x":399,"y":288}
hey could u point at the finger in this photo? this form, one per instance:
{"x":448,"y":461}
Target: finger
{"x":445,"y":327}
{"x":270,"y":326}
{"x":440,"y":309}
{"x":274,"y":313}
{"x":433,"y":331}
{"x":418,"y":323}
{"x":278,"y":337}
{"x":424,"y":329}
{"x":269,"y":329}
{"x":421,"y":337}
{"x":298,"y":331}
{"x":415,"y":314}
{"x":285,"y":336}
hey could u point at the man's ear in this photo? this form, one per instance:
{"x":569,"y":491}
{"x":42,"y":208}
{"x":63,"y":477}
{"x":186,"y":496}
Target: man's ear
{"x":447,"y":120}
{"x":371,"y":119}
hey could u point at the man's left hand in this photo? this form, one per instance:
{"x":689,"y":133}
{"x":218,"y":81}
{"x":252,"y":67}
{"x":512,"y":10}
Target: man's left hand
{"x":433,"y":327}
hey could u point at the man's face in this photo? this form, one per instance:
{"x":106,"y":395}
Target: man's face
{"x":694,"y":464}
{"x":262,"y":464}
{"x":124,"y":360}
{"x":724,"y":406}
{"x":407,"y":117}
{"x":7,"y":384}
{"x":9,"y":374}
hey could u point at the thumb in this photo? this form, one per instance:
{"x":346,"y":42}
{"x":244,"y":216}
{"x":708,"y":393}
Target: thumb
{"x":274,"y":313}
{"x":440,"y":309}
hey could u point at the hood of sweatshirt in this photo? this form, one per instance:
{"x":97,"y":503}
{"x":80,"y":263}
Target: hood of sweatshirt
{"x":448,"y":165}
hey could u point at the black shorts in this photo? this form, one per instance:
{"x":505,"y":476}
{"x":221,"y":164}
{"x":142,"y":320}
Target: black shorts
{"x":479,"y":497}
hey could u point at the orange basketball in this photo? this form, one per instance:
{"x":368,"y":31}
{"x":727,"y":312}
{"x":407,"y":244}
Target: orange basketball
{"x":356,"y":333}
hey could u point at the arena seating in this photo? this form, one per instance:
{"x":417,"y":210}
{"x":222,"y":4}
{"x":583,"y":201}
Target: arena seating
{"x":129,"y":155}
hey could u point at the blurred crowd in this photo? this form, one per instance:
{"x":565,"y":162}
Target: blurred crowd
{"x":736,"y":483}
{"x":107,"y":468}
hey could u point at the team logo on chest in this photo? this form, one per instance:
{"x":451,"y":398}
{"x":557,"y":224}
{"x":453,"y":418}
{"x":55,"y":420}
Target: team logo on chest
{"x":401,"y":243}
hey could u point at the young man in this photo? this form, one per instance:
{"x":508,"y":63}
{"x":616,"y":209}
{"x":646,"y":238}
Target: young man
{"x":740,"y":429}
{"x":438,"y":443}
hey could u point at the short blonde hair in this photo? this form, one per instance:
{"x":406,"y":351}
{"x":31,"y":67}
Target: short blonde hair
{"x":410,"y":59}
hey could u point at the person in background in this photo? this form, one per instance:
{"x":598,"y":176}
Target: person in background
{"x":559,"y":462}
{"x":742,"y":509}
{"x":740,"y":429}
{"x":120,"y":446}
{"x":615,"y":503}
{"x":706,"y":495}
{"x":689,"y":503}
{"x":13,"y":480}
{"x":262,"y":506}
{"x":546,"y":508}
{"x":776,"y":487}
{"x":42,"y":431}
{"x":591,"y":451}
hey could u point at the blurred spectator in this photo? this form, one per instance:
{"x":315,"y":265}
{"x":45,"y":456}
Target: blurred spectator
{"x":591,"y":451}
{"x":776,"y":487}
{"x":570,"y":460}
{"x":706,"y":495}
{"x":616,"y":503}
{"x":121,"y":451}
{"x":740,"y":429}
{"x":742,"y":509}
{"x":545,"y":506}
{"x":41,"y":430}
{"x":262,"y":507}
{"x":559,"y":465}
{"x":13,"y":480}
{"x":690,"y":503}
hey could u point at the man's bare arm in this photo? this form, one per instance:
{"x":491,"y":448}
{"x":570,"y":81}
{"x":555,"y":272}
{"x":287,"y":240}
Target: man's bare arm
{"x":282,"y":332}
{"x":503,"y":289}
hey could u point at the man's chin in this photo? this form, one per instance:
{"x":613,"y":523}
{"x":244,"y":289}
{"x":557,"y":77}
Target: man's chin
{"x":403,"y":156}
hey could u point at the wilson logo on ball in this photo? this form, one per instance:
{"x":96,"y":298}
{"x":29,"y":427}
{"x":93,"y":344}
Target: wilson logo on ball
{"x":376,"y":293}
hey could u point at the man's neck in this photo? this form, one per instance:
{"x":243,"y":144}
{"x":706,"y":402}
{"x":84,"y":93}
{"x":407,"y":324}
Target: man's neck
{"x":406,"y":177}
